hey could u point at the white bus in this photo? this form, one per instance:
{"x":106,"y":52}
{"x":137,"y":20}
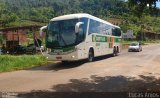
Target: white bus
{"x":81,"y":36}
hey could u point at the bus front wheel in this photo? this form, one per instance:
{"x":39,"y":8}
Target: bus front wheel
{"x":91,"y":55}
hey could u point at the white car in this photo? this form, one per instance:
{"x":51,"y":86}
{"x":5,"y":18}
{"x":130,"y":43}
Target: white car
{"x":135,"y":46}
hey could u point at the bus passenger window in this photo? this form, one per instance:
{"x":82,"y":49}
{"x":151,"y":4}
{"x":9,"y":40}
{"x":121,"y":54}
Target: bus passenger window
{"x":94,"y":27}
{"x":116,"y":32}
{"x":83,"y":27}
{"x":81,"y":33}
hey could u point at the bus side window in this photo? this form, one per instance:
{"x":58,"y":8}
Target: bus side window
{"x":81,"y":34}
{"x":113,"y":31}
{"x":91,"y":27}
{"x":94,"y":26}
{"x":116,"y":32}
{"x":107,"y":29}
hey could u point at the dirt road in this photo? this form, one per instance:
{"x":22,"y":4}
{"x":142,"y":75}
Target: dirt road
{"x":130,"y":71}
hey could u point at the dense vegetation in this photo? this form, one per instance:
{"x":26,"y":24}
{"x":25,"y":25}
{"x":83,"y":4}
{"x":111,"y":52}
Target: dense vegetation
{"x":133,"y":15}
{"x":42,"y":10}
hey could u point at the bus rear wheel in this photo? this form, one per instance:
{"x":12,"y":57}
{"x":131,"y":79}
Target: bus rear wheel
{"x":115,"y":52}
{"x":91,"y":55}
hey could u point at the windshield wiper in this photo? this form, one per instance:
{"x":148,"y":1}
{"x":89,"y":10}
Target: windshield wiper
{"x":62,"y":39}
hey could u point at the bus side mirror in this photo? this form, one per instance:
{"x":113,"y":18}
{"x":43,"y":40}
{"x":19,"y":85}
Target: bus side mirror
{"x":77,"y":27}
{"x":42,"y":30}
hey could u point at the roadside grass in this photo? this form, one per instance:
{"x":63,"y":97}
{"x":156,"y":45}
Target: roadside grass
{"x":11,"y":63}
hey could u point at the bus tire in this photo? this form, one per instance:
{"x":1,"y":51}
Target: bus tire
{"x":118,"y":51}
{"x":114,"y":52}
{"x":91,"y":55}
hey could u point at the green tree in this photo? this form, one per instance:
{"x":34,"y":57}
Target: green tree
{"x":139,"y":6}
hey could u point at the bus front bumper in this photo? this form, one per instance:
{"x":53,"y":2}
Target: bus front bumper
{"x":67,"y":57}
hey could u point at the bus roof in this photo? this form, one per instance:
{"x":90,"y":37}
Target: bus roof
{"x":80,"y":15}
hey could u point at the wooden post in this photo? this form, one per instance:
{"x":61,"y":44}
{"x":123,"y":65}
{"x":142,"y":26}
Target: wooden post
{"x":33,"y":33}
{"x":17,"y":36}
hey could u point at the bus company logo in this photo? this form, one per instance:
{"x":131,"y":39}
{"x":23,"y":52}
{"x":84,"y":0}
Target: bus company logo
{"x":101,"y":38}
{"x":96,"y":38}
{"x":58,"y":51}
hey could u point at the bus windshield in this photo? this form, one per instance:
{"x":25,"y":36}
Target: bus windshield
{"x":61,"y":33}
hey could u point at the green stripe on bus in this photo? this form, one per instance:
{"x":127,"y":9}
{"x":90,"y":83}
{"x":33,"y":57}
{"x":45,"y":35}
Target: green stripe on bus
{"x":117,"y":39}
{"x":98,"y":38}
{"x":68,"y":49}
{"x":64,"y":49}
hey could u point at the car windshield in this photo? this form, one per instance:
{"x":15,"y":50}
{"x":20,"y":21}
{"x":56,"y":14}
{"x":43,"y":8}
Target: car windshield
{"x":134,"y":44}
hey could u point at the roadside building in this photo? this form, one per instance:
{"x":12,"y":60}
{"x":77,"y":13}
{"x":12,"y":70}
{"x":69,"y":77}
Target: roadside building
{"x":152,"y":35}
{"x":17,"y":35}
